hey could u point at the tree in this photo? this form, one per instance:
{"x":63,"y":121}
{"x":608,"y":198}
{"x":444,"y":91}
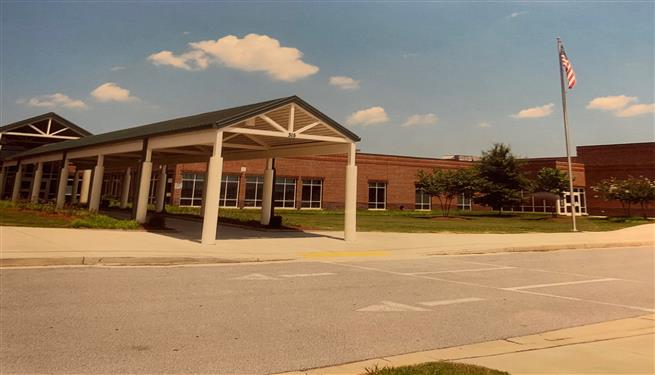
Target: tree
{"x":551,"y":180}
{"x":447,"y":185}
{"x":628,"y":192}
{"x":501,"y":179}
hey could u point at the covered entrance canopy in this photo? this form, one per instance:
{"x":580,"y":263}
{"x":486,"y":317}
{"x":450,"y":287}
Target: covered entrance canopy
{"x":277,"y":128}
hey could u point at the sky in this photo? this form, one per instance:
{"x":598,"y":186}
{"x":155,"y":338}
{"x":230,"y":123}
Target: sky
{"x":410,"y":78}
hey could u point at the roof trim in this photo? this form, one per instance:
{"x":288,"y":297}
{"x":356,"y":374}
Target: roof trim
{"x":215,"y":119}
{"x":14,"y":125}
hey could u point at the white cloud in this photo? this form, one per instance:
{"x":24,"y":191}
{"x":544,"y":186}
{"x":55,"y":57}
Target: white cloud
{"x":53,"y":101}
{"x":344,"y":83}
{"x":186,"y":32}
{"x":611,"y":103}
{"x":193,"y":60}
{"x":516,"y":14}
{"x":117,"y":68}
{"x":636,"y":110}
{"x":111,"y":92}
{"x":369,"y":116}
{"x":252,"y":53}
{"x":621,"y":105}
{"x":535,"y":112}
{"x":426,"y":119}
{"x":484,"y":124}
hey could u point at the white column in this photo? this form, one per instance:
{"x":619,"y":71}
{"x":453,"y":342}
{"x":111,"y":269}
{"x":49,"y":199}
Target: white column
{"x":214,"y":172}
{"x":86,"y":186}
{"x":75,"y":189}
{"x":125,"y":194}
{"x":267,"y":193}
{"x":161,"y":189}
{"x":61,"y":187}
{"x":96,"y":185}
{"x":144,"y":188}
{"x":3,"y":180}
{"x":36,"y":183}
{"x":15,"y":194}
{"x":350,"y":212}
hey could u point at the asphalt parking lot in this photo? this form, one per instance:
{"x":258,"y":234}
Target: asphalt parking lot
{"x":273,"y":317}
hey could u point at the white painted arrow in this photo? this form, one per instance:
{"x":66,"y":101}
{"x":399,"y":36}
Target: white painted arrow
{"x":391,"y":306}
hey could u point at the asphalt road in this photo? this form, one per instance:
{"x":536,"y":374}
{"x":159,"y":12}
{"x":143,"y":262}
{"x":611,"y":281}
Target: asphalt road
{"x":264,"y":318}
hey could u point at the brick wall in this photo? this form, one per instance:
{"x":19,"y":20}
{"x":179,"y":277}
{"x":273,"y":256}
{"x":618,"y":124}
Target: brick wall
{"x":619,"y":161}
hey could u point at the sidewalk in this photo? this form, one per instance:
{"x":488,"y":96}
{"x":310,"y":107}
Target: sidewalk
{"x":24,"y":246}
{"x":623,"y":346}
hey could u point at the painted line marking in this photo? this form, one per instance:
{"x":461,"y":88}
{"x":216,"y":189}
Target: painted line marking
{"x":387,"y":306}
{"x":638,"y":308}
{"x":450,"y":301}
{"x":309,"y":274}
{"x":338,"y":254}
{"x":561,"y":284}
{"x":255,"y":276}
{"x":464,"y":270}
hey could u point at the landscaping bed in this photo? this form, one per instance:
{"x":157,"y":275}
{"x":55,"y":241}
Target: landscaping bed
{"x":435,"y":368}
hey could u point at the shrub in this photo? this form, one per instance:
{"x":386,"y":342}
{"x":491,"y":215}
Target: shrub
{"x":104,"y":222}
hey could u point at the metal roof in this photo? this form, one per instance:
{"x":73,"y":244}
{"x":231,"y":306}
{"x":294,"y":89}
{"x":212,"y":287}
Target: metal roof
{"x":216,"y":119}
{"x":45,"y":116}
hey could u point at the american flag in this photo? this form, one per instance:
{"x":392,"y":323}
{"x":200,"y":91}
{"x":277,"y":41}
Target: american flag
{"x":570,"y":73}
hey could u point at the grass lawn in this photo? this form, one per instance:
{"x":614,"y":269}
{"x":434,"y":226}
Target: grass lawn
{"x":435,"y":368}
{"x":432,"y":221}
{"x":45,"y":215}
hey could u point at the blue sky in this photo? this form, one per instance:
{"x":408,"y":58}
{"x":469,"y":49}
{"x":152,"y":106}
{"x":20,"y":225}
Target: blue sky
{"x":457,"y":76}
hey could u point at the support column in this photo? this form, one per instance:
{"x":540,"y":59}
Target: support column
{"x":267,"y":193}
{"x":214,"y":173}
{"x":161,"y":189}
{"x":144,"y":188}
{"x":96,"y":185}
{"x":76,"y":184}
{"x":125,"y":194}
{"x":86,"y":186}
{"x":3,"y":181}
{"x":350,"y":212}
{"x":15,"y":193}
{"x":63,"y":182}
{"x":36,"y":183}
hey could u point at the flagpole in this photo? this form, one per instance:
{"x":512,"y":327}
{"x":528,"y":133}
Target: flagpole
{"x":566,"y":133}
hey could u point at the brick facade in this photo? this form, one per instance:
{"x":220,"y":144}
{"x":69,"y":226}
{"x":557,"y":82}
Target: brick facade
{"x":620,"y":161}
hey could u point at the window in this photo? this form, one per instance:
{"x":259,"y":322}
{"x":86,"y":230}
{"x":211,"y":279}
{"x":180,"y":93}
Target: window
{"x":423,"y":200}
{"x":229,"y":191}
{"x":464,"y":203}
{"x":254,"y":190}
{"x":311,"y":193}
{"x":191,"y":194}
{"x":284,"y":195}
{"x":377,"y":195}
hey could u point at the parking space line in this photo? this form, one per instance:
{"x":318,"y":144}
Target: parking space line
{"x":450,"y":301}
{"x":309,"y":274}
{"x":638,"y":308}
{"x":464,"y":270}
{"x":535,"y":286}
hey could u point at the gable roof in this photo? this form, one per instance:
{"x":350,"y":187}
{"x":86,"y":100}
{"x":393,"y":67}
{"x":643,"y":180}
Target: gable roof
{"x":216,"y":119}
{"x":18,"y":124}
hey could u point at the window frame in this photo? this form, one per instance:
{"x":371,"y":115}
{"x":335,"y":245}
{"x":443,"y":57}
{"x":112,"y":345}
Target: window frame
{"x":377,"y":187}
{"x":312,"y":183}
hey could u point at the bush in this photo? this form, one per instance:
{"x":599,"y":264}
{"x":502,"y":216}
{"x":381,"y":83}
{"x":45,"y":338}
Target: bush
{"x":104,"y":222}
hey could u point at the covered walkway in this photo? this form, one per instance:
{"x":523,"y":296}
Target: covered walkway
{"x":277,"y":128}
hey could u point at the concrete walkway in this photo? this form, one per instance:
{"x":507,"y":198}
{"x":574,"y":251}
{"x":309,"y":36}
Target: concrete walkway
{"x":623,"y":346}
{"x":24,"y":246}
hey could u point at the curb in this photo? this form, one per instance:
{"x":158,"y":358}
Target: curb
{"x":549,"y":248}
{"x":123,"y":261}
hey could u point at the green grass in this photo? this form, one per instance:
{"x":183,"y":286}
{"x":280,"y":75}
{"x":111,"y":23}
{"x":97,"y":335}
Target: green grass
{"x":435,"y":368}
{"x":103,"y":222}
{"x":431,"y":221}
{"x":25,"y":214}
